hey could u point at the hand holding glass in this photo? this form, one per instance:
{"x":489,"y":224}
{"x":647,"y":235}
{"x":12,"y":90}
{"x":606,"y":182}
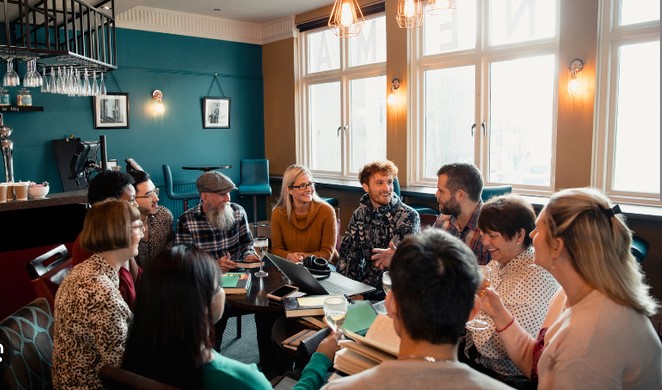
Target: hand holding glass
{"x":261,"y":245}
{"x":335,"y":311}
{"x":486,"y":275}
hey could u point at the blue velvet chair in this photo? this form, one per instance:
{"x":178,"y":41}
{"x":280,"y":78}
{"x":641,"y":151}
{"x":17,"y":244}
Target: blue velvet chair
{"x":170,"y":188}
{"x":420,"y":208}
{"x":254,"y":182}
{"x":639,"y":248}
{"x":26,"y":336}
{"x":492,"y":191}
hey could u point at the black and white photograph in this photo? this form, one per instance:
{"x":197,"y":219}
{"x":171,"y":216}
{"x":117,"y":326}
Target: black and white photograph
{"x":111,"y":111}
{"x":215,"y":112}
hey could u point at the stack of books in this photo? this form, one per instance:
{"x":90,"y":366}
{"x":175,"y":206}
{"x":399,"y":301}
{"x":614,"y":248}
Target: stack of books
{"x":309,"y":305}
{"x":379,"y":344}
{"x":236,"y":282}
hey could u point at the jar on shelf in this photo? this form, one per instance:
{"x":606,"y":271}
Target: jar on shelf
{"x":4,"y":97}
{"x":24,"y":98}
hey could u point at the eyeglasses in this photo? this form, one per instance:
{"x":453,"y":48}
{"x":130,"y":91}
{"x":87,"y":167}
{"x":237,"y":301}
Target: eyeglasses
{"x":154,"y":192}
{"x":141,"y":227}
{"x":303,"y":186}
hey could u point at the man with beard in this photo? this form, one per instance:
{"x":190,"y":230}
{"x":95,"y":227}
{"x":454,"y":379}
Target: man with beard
{"x":381,"y":221}
{"x":216,"y":225}
{"x":459,"y":186}
{"x":158,"y":234}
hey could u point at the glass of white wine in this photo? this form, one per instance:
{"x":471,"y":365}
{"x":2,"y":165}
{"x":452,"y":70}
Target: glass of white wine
{"x":335,"y":311}
{"x":486,"y":275}
{"x":260,"y":246}
{"x":386,"y":282}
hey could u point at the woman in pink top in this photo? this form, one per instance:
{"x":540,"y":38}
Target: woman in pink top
{"x":597,"y":333}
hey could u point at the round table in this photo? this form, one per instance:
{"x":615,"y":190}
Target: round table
{"x":207,"y":167}
{"x":255,"y":300}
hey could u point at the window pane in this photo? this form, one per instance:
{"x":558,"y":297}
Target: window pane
{"x":638,"y":11}
{"x":367,"y":129}
{"x":451,"y":31}
{"x":513,"y":21}
{"x":324,"y":122}
{"x":323,"y":51}
{"x":637,"y":153}
{"x":369,"y":46}
{"x":449,"y":114}
{"x":520,"y":137}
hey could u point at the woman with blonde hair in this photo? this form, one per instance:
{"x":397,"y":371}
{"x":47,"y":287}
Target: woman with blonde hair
{"x":302,"y":224}
{"x":597,"y":332}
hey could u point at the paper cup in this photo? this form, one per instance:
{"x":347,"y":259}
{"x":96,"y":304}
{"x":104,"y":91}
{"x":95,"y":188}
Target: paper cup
{"x":3,"y":192}
{"x":21,"y":190}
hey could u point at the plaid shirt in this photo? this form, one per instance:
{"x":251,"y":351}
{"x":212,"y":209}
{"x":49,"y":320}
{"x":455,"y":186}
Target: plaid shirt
{"x":193,"y":228}
{"x":470,"y":234}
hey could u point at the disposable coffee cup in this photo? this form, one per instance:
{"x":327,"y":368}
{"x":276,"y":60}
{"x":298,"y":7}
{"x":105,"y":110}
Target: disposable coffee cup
{"x":3,"y":192}
{"x":21,"y":190}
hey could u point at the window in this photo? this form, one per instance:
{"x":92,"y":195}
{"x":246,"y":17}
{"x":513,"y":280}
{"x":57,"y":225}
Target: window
{"x":627,"y":166}
{"x":485,"y":92}
{"x":343,"y":99}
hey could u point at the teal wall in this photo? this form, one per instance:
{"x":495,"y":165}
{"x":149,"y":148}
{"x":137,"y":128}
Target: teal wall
{"x":183,"y":68}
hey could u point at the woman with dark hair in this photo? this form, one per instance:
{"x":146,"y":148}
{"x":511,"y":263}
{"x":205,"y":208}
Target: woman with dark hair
{"x":596,"y":333}
{"x":171,"y":339}
{"x":526,"y":289}
{"x":91,"y":317}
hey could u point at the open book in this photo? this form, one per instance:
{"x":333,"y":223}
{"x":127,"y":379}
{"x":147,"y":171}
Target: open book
{"x":380,"y":343}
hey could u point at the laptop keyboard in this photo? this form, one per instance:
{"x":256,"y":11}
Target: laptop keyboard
{"x":333,"y":288}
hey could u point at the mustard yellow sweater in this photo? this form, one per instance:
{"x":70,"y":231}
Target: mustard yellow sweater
{"x":313,"y":234}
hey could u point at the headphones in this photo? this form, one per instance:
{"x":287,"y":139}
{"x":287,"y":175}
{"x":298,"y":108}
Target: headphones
{"x":317,"y":266}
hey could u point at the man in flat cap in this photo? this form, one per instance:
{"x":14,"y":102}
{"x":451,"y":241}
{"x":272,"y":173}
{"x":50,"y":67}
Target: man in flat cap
{"x":216,"y":225}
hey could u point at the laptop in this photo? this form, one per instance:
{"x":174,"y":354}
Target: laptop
{"x":335,"y":284}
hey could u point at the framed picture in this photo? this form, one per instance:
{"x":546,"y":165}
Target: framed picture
{"x":215,"y":112}
{"x":111,"y":111}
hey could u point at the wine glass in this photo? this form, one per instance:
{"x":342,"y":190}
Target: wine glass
{"x":335,"y":311}
{"x":486,"y":275}
{"x":260,"y":245}
{"x":386,"y":282}
{"x":11,"y":78}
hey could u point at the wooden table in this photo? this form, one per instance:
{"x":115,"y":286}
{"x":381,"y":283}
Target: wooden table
{"x":255,"y":300}
{"x":207,"y":167}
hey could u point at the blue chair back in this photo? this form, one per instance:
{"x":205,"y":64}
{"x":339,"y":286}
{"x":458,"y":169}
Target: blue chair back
{"x":490,"y":192}
{"x":254,"y":172}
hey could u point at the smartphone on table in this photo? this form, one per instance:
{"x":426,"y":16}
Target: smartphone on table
{"x":281,"y":292}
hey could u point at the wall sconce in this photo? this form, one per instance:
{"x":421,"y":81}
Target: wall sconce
{"x":438,"y":7}
{"x":157,"y":102}
{"x":410,"y":13}
{"x":575,"y":82}
{"x":346,"y":18}
{"x":392,"y":98}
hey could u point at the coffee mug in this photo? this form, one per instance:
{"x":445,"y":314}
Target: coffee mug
{"x":21,"y":190}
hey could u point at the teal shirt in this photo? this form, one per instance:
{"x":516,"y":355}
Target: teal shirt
{"x":225,"y":373}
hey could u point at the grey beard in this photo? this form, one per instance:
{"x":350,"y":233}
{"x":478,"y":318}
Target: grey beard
{"x":222,"y":219}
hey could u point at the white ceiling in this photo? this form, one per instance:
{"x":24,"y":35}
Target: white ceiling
{"x":253,"y":11}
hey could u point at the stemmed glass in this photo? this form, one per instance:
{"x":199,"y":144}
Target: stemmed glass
{"x":11,"y":78}
{"x":261,"y":245}
{"x":486,"y":275}
{"x":335,"y":311}
{"x":386,"y":282}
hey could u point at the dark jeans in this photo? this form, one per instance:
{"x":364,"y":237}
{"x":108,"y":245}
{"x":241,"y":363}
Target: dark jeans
{"x":273,"y":360}
{"x":518,"y":382}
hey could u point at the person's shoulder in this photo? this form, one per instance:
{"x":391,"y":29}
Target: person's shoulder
{"x":230,"y":373}
{"x":162,"y":210}
{"x":474,"y":380}
{"x":324,"y":208}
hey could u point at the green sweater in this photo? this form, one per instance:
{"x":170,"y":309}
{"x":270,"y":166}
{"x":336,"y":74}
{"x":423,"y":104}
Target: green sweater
{"x":225,"y":373}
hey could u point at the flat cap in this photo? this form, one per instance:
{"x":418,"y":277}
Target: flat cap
{"x":214,"y":182}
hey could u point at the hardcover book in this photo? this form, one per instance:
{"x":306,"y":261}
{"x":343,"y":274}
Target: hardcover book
{"x":236,"y":282}
{"x":310,"y":305}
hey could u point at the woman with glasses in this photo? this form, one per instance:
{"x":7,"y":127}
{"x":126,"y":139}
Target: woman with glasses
{"x":91,"y":317}
{"x":302,"y":224}
{"x":159,"y":232}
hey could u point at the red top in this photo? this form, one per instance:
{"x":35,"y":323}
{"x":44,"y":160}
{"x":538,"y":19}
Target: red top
{"x":127,"y":287}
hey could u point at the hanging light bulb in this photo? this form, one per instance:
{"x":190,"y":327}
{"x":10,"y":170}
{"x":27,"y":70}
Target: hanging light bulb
{"x":410,"y":13}
{"x":346,"y":18}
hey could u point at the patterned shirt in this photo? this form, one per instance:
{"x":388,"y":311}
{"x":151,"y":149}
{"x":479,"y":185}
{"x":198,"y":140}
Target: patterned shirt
{"x":470,"y":234}
{"x":161,"y":235}
{"x":193,"y":228}
{"x":91,"y":325}
{"x":371,"y":228}
{"x":526,"y":290}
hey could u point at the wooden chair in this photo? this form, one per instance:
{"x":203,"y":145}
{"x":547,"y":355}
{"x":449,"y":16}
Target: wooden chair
{"x":48,"y":271}
{"x":115,"y":378}
{"x":27,"y":340}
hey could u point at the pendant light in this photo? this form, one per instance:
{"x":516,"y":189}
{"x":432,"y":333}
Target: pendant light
{"x":410,"y":13}
{"x":346,"y":18}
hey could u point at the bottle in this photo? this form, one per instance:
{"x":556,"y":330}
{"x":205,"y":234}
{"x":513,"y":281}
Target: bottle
{"x":24,"y":98}
{"x":4,"y":97}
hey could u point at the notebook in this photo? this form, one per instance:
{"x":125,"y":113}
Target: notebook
{"x":335,"y":284}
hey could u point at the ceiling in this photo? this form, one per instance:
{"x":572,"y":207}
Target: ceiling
{"x":252,"y":11}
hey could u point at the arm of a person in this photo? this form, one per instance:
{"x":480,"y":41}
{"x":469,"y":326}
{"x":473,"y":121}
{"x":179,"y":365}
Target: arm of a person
{"x":170,"y":235}
{"x":408,"y":223}
{"x":109,"y":318}
{"x":314,"y":373}
{"x":278,"y":247}
{"x":329,"y":234}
